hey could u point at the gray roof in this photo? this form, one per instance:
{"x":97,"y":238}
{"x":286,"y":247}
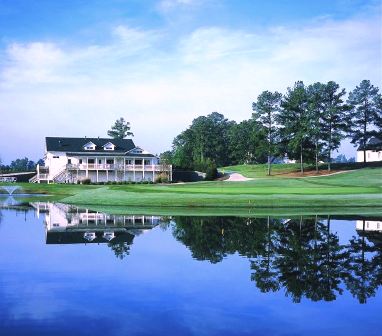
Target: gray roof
{"x":108,"y":153}
{"x":60,"y":144}
{"x":374,"y":143}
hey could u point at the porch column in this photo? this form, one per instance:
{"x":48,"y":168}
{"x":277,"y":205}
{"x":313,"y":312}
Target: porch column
{"x":124,"y":169}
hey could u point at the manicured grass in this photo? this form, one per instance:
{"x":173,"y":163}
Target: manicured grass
{"x":260,"y":170}
{"x":359,"y":188}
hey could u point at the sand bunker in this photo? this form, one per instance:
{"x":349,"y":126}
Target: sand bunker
{"x":237,"y":177}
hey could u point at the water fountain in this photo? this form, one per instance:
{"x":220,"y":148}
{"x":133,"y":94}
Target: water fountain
{"x":10,"y":189}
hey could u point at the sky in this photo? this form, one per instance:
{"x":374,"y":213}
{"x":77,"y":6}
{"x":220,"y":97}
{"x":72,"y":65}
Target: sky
{"x":71,"y":68}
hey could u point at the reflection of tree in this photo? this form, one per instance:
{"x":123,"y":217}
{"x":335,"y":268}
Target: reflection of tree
{"x":265,"y":273}
{"x":213,"y":238}
{"x":121,"y":249}
{"x":363,"y":274}
{"x":299,"y":255}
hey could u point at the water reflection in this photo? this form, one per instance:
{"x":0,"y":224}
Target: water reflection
{"x":300,"y":256}
{"x":67,"y":224}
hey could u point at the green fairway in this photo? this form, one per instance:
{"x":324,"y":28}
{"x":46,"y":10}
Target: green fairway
{"x":359,"y":188}
{"x":280,"y":169}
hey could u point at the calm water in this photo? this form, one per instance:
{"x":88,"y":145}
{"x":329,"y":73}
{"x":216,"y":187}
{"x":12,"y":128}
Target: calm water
{"x":68,"y":270}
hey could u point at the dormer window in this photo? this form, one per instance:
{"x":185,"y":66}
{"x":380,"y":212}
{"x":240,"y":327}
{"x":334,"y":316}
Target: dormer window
{"x":90,"y":146}
{"x":137,"y":150}
{"x":109,"y":146}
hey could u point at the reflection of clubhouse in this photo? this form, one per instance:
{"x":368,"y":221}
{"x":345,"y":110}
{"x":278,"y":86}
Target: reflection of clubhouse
{"x":369,"y":225}
{"x":66,"y":224}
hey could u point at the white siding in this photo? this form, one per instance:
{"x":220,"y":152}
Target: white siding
{"x":371,"y":156}
{"x":56,"y":161}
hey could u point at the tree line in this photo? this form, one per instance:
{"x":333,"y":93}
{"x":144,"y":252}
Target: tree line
{"x":20,"y":165}
{"x":299,"y":256}
{"x":307,"y":123}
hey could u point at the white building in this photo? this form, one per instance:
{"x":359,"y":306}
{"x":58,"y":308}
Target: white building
{"x":373,"y":151}
{"x":369,"y":225}
{"x":71,"y":160}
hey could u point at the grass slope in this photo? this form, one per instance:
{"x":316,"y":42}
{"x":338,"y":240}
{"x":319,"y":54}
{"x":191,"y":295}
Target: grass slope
{"x":359,"y":188}
{"x":278,"y":170}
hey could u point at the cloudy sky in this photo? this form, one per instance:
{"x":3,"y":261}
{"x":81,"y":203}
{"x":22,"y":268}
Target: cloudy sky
{"x":70,"y":68}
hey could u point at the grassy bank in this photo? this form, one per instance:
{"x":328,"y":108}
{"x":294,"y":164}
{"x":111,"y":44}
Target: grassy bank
{"x":359,"y":188}
{"x":279,"y":170}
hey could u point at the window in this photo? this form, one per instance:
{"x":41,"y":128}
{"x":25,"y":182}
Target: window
{"x":147,"y":162}
{"x":138,"y":162}
{"x":80,"y":161}
{"x":99,"y":161}
{"x":89,"y":146}
{"x":110,"y":161}
{"x":69,"y":161}
{"x":128,"y":162}
{"x":56,"y":157}
{"x":137,"y":150}
{"x":108,"y":146}
{"x":91,"y":161}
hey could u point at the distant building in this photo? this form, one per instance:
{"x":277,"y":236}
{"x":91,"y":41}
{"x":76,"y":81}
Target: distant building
{"x":71,"y":160}
{"x":373,"y":151}
{"x":369,"y":225}
{"x":287,"y":160}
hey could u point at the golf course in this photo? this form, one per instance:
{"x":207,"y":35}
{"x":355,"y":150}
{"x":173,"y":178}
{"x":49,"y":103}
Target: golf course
{"x":361,"y":188}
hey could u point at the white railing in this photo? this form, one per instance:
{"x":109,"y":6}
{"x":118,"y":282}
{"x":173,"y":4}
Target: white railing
{"x":91,"y":166}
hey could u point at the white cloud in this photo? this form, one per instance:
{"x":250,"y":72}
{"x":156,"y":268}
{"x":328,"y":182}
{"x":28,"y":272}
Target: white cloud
{"x":33,"y":62}
{"x":77,"y":91}
{"x":169,"y":5}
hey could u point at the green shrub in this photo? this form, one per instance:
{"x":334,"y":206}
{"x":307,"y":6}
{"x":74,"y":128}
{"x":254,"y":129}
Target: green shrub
{"x":211,"y":172}
{"x":86,"y":181}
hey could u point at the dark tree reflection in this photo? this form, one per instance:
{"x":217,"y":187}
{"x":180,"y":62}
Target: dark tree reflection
{"x":300,"y":256}
{"x":363,"y":272}
{"x":120,"y":249}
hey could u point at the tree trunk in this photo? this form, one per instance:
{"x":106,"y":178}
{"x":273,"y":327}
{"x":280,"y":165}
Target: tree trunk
{"x":364,"y":133}
{"x":330,"y":147}
{"x":316,"y":157}
{"x":269,"y":149}
{"x":301,"y":162}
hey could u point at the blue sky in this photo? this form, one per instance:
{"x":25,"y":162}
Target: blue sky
{"x":70,"y":68}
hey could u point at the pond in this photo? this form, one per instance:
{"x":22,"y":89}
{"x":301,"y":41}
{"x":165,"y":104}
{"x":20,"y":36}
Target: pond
{"x":70,"y":270}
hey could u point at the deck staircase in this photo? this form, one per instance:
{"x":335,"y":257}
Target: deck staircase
{"x":61,"y":177}
{"x":34,"y":179}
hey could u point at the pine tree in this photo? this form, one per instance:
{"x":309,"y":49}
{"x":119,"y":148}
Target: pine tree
{"x":364,"y":114}
{"x":334,"y":118}
{"x":266,"y":111}
{"x":316,"y":106}
{"x":295,"y":120}
{"x":120,"y":129}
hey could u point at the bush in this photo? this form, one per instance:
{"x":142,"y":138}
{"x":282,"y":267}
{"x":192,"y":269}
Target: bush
{"x":211,"y":172}
{"x":162,"y":178}
{"x":86,"y":181}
